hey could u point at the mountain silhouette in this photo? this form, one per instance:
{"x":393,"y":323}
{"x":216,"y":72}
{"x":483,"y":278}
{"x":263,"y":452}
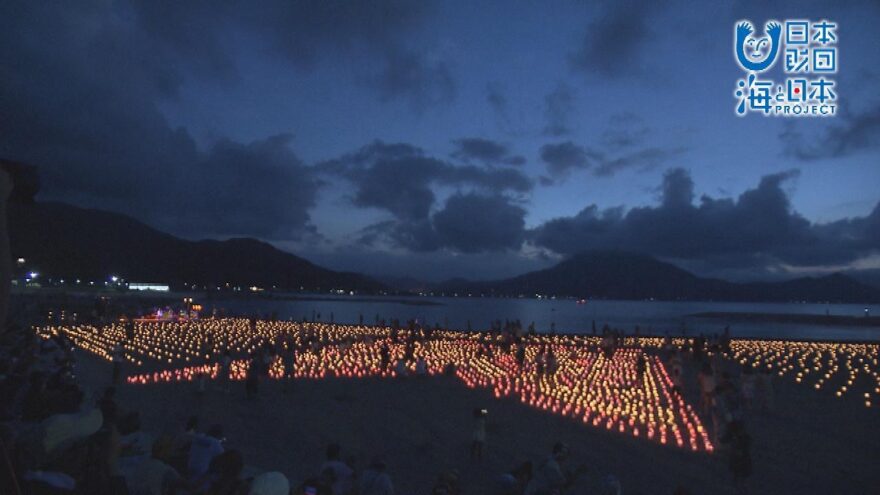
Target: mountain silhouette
{"x":71,"y":242}
{"x":65,"y":241}
{"x":626,"y":275}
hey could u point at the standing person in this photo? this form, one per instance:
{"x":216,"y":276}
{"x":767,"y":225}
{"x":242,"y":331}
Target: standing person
{"x":747,"y":387}
{"x":719,"y":413}
{"x":181,"y":444}
{"x":384,"y":357}
{"x":401,"y":370}
{"x":252,"y":378}
{"x":267,"y":357}
{"x":676,"y":372}
{"x":699,"y":343}
{"x":225,"y":370}
{"x":641,"y":367}
{"x":607,"y":343}
{"x":343,"y":474}
{"x":740,"y":462}
{"x":551,"y":363}
{"x":375,"y":481}
{"x":707,"y":387}
{"x":288,"y":366}
{"x":677,"y":380}
{"x":478,"y":439}
{"x":668,"y":347}
{"x":116,"y":356}
{"x":421,"y":366}
{"x":540,"y":363}
{"x":293,"y":351}
{"x":108,"y":406}
{"x":201,"y":381}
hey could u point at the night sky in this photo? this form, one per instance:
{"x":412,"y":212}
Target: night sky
{"x":456,"y":138}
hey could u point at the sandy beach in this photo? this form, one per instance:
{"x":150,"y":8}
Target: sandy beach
{"x":811,"y":442}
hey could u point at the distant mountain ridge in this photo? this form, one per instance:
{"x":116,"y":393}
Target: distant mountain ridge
{"x":68,"y":241}
{"x":869,"y":277}
{"x":624,"y":275}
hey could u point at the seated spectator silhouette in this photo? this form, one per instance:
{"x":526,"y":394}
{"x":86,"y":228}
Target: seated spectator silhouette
{"x":342,"y":473}
{"x":204,"y":448}
{"x":375,"y":481}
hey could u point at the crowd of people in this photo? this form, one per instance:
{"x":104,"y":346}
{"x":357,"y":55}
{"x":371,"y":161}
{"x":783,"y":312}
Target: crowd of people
{"x":728,"y":400}
{"x":58,"y":438}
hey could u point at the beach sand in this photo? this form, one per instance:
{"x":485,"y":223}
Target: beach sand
{"x":810,"y":443}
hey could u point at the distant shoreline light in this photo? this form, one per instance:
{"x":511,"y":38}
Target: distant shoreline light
{"x":148,"y":286}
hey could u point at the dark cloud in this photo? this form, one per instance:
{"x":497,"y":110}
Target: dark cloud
{"x":259,"y":189}
{"x":757,"y":227}
{"x":562,"y":158}
{"x":468,"y":223}
{"x":399,"y":185}
{"x":83,"y":82}
{"x":400,"y":178}
{"x":80,"y":98}
{"x":473,"y":223}
{"x":644,"y":160}
{"x":83,"y":85}
{"x":171,"y":31}
{"x":201,"y":34}
{"x":848,"y":134}
{"x":413,"y":77}
{"x":677,"y":190}
{"x":413,"y":236}
{"x":485,"y":151}
{"x":621,"y":146}
{"x":839,"y":241}
{"x":558,"y":107}
{"x":613,"y":43}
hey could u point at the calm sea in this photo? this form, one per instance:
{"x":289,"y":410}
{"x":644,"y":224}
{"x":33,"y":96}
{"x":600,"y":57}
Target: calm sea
{"x":567,"y":315}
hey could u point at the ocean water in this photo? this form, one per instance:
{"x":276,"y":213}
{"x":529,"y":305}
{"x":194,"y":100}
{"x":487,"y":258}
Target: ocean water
{"x":654,"y":317}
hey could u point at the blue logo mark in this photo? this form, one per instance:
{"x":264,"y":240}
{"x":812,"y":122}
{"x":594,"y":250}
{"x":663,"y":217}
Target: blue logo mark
{"x":809,"y":54}
{"x":757,"y":53}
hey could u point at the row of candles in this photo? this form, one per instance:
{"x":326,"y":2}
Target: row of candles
{"x":841,"y":367}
